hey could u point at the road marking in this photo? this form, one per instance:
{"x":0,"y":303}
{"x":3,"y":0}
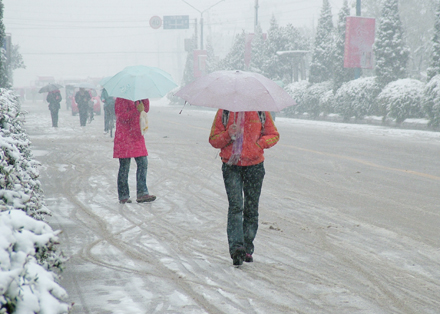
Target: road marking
{"x":364,"y":162}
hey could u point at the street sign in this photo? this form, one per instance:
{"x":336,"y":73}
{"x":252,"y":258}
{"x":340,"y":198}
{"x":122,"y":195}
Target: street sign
{"x":155,"y":22}
{"x":176,"y":22}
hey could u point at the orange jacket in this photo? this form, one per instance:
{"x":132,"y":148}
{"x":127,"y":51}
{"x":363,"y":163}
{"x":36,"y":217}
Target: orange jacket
{"x":253,"y":141}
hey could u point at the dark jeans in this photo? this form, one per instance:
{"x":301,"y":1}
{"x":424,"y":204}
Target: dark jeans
{"x":83,"y":114}
{"x":243,"y":186}
{"x":54,"y":115}
{"x":141,"y":177}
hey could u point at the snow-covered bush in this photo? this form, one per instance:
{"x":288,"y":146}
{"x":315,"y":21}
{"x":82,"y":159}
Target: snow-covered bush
{"x":312,"y":98}
{"x":174,"y":100}
{"x":431,"y":101}
{"x":357,"y":98}
{"x":402,"y":99}
{"x":28,"y":253}
{"x":20,"y":188}
{"x":297,"y":91}
{"x":26,"y":286}
{"x":327,"y":102}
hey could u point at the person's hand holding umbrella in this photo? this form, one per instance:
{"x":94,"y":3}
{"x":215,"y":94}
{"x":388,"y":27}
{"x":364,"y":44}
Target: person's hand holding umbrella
{"x":233,"y":131}
{"x":140,"y":106}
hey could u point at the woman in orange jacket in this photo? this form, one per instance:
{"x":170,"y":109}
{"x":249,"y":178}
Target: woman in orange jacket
{"x":242,"y":138}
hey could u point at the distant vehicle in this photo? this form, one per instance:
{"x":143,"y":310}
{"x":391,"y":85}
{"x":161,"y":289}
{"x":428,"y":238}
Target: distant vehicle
{"x":95,"y":98}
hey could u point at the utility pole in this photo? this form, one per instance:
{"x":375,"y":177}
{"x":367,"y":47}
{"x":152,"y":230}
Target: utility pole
{"x":196,"y":32}
{"x":357,"y":71}
{"x":256,"y":16}
{"x":201,"y":19}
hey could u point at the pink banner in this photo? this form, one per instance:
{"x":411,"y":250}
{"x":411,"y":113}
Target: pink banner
{"x":359,"y":40}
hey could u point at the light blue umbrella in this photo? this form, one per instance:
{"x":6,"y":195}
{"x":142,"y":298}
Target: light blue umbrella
{"x":140,"y":82}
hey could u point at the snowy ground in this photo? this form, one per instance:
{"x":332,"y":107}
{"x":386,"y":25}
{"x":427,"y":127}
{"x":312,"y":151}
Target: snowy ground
{"x":349,"y":219}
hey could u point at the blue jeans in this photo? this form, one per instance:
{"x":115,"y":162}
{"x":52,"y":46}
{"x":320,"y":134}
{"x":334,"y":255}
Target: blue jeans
{"x":242,"y":226}
{"x":141,"y":177}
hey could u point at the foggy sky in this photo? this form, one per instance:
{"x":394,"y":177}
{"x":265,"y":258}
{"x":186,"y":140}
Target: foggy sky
{"x":96,"y":38}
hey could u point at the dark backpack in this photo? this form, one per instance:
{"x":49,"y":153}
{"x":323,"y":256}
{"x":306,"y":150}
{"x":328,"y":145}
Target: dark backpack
{"x":261,"y":115}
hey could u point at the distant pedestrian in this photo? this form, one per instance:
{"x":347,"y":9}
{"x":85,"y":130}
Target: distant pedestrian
{"x":82,"y":98}
{"x":109,"y":109}
{"x":54,"y":98}
{"x":130,"y":143}
{"x":242,"y":139}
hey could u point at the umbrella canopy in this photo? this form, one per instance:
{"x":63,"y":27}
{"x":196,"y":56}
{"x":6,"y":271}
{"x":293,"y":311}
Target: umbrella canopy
{"x":50,"y":87}
{"x":236,"y":91}
{"x":140,"y":82}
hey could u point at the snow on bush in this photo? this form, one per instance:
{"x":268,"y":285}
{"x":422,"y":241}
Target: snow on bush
{"x":26,"y":287}
{"x":402,"y":99}
{"x":313,"y":99}
{"x":431,"y":101}
{"x":297,"y":91}
{"x":357,"y":98}
{"x":327,"y":102}
{"x":28,"y":252}
{"x":18,"y":172}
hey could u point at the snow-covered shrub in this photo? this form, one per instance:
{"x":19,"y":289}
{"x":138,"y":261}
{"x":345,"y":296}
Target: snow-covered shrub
{"x":357,"y":98}
{"x":28,"y":253}
{"x":402,"y":99}
{"x":312,"y":98}
{"x":431,"y":101}
{"x":297,"y":91}
{"x":327,"y":102}
{"x":174,"y":100}
{"x":26,"y":286}
{"x":20,"y":187}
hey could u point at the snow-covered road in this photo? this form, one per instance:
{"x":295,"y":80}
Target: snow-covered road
{"x":349,"y":219}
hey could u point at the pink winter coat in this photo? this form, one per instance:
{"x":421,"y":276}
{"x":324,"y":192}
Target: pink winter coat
{"x":129,"y":141}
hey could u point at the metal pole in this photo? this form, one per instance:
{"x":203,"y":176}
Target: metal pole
{"x":357,"y":71}
{"x":201,"y":31}
{"x":196,"y":32}
{"x":256,"y":16}
{"x":201,"y":19}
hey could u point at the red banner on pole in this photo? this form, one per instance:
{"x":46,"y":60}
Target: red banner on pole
{"x":359,"y":40}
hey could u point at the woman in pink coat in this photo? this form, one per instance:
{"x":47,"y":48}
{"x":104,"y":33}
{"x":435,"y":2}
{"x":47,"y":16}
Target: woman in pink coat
{"x":130,"y":143}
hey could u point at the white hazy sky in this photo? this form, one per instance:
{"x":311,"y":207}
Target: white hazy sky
{"x":96,"y":38}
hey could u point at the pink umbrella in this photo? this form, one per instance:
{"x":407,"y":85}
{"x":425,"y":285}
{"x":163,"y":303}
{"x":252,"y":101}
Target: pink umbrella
{"x":236,"y":91}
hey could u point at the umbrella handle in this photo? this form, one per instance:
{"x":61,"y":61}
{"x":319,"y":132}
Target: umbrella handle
{"x":234,"y":124}
{"x":183,"y":107}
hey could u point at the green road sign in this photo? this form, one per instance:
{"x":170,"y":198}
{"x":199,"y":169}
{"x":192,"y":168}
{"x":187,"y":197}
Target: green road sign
{"x":176,"y":22}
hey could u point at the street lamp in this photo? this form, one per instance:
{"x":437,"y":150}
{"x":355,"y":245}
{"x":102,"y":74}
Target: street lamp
{"x":201,"y":19}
